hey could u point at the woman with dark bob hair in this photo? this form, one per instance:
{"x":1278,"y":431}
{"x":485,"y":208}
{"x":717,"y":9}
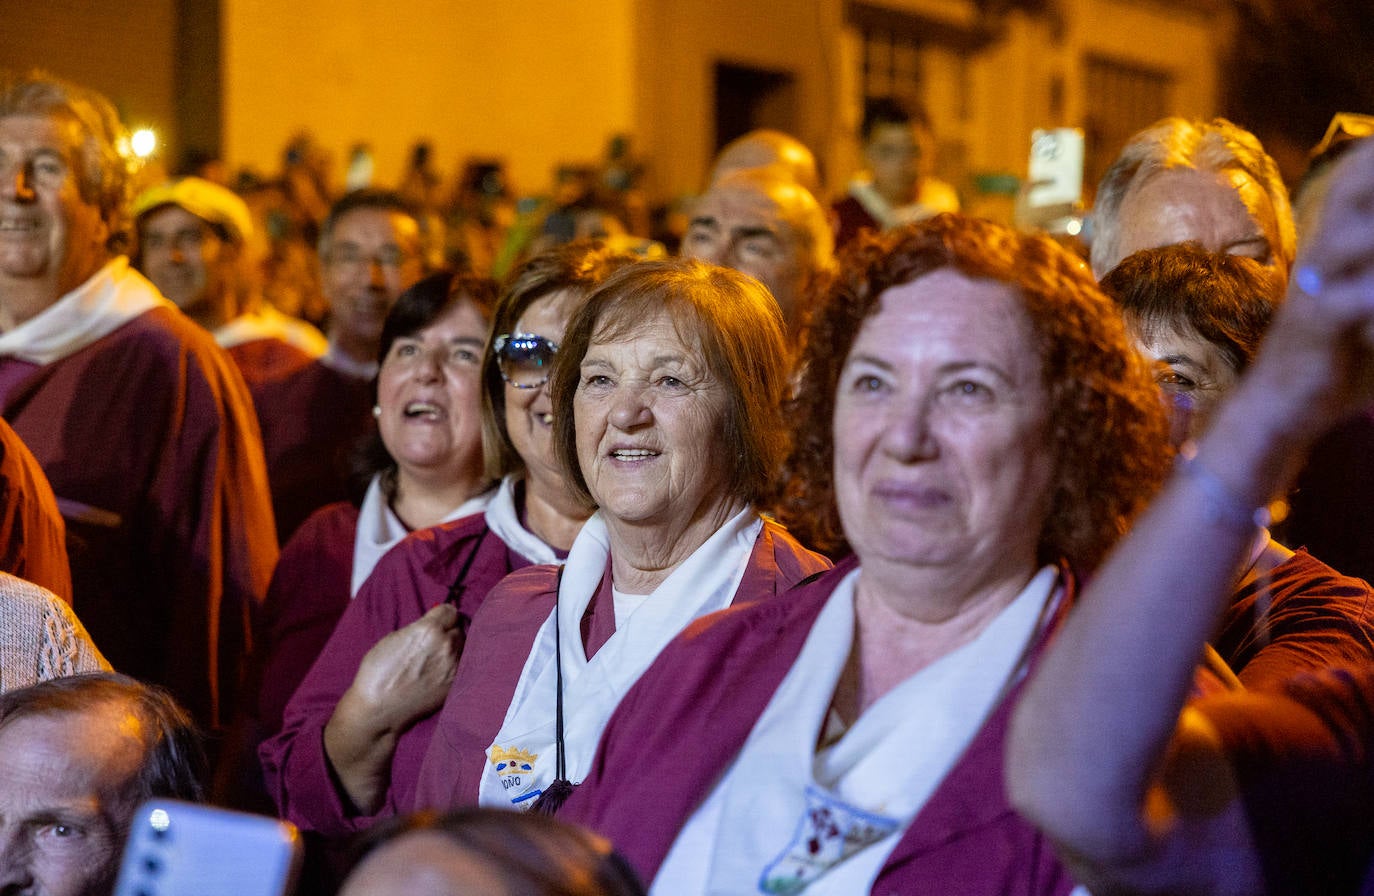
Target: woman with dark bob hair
{"x":667,"y":412}
{"x":421,"y":465}
{"x":972,"y":404}
{"x":357,"y":727}
{"x":488,"y":852}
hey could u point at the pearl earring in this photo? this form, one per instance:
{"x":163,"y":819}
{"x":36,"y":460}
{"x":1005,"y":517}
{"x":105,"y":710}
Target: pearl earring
{"x":377,"y":411}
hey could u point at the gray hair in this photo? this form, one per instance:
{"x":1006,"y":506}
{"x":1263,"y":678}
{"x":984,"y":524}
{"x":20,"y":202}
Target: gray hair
{"x":173,"y":759}
{"x":1174,"y":143}
{"x":105,"y":164}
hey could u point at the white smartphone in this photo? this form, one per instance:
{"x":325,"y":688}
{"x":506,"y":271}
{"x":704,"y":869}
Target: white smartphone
{"x":183,"y":849}
{"x":1055,"y":171}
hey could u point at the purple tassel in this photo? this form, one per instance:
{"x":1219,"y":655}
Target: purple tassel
{"x":552,"y":799}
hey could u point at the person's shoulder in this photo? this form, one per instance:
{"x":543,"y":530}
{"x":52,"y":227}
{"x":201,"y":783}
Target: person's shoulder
{"x":328,"y":523}
{"x":18,"y":593}
{"x":1304,"y":571}
{"x":797,"y":609}
{"x":440,"y":550}
{"x":796,"y":562}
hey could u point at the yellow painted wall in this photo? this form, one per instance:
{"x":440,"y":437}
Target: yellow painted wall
{"x":537,"y":83}
{"x":680,"y":44}
{"x":123,"y":49}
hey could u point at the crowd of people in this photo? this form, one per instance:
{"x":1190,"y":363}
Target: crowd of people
{"x":846,"y":547}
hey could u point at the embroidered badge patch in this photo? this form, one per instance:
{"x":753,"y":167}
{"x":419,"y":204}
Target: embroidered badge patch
{"x":515,"y":769}
{"x":829,"y":832}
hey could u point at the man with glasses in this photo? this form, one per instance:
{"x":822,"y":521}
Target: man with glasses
{"x":195,"y":242}
{"x":371,"y":251}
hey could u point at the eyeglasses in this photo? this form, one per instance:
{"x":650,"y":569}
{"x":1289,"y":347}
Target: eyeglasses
{"x":350,"y":258}
{"x":524,"y":359}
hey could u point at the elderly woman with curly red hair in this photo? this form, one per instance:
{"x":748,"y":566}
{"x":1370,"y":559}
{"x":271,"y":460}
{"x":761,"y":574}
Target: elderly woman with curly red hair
{"x":971,"y":402}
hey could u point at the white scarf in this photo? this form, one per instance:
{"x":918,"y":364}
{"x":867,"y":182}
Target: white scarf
{"x":787,"y":819}
{"x":380,"y":530}
{"x":503,"y":519}
{"x":521,"y":762}
{"x":269,"y":323}
{"x":113,"y":296}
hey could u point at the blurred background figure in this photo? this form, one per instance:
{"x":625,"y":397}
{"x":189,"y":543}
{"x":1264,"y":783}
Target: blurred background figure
{"x":196,"y":242}
{"x":33,"y":536}
{"x":1209,"y":182}
{"x":768,"y":226}
{"x":488,"y":852}
{"x":371,"y":250}
{"x":899,"y":186}
{"x":766,"y":148}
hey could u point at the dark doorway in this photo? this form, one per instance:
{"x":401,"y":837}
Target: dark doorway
{"x":749,"y":98}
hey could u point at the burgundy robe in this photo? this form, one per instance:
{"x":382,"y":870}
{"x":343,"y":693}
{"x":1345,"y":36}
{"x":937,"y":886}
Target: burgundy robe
{"x":268,"y":359}
{"x":150,"y":442}
{"x":424,"y":570}
{"x":310,"y":590}
{"x":714,"y":681}
{"x":500,"y":642}
{"x":1303,"y":755}
{"x":1302,"y":616}
{"x":33,"y":538}
{"x":312,"y":418}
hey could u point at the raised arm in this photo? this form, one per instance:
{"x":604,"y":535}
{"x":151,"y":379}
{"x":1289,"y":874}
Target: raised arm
{"x":1137,"y":791}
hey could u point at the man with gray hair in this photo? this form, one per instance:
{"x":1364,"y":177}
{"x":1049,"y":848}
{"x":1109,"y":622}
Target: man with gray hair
{"x":141,"y":423}
{"x":1208,"y":182}
{"x":762,"y":223}
{"x":77,"y":757}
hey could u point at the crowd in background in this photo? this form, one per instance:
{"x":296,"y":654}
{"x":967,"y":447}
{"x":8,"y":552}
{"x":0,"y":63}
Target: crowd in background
{"x":773,"y":543}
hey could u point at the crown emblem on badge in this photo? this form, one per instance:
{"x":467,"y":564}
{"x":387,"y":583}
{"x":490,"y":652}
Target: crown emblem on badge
{"x":505,"y":757}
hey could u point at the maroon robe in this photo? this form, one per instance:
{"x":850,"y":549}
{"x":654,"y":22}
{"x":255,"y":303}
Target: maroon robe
{"x":1302,"y":616}
{"x":714,"y":681}
{"x":500,"y":640}
{"x":150,"y":442}
{"x":312,"y":417}
{"x":310,"y":590}
{"x":456,"y":562}
{"x":268,"y":359}
{"x":1303,"y":755}
{"x":33,"y":538}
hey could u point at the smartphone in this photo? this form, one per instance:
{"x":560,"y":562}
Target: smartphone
{"x":184,"y":849}
{"x":1055,"y":172}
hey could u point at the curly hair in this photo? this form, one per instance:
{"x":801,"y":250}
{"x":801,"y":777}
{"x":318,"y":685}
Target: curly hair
{"x":739,"y":328}
{"x":1108,"y":429}
{"x":105,"y":163}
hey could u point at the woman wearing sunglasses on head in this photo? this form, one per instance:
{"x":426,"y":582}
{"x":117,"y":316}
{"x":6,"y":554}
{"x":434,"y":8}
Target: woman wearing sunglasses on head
{"x":356,"y":728}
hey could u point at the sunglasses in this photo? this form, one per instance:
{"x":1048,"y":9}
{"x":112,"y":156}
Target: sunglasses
{"x":524,"y":359}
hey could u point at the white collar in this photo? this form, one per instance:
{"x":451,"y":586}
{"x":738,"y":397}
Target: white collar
{"x":380,"y":529}
{"x":335,"y":359}
{"x":110,"y":298}
{"x":503,"y":519}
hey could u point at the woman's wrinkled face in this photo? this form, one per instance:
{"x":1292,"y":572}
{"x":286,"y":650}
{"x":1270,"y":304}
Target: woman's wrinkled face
{"x":1192,"y":374}
{"x":428,"y":391}
{"x":529,"y":412}
{"x":941,"y":429}
{"x":650,"y":420}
